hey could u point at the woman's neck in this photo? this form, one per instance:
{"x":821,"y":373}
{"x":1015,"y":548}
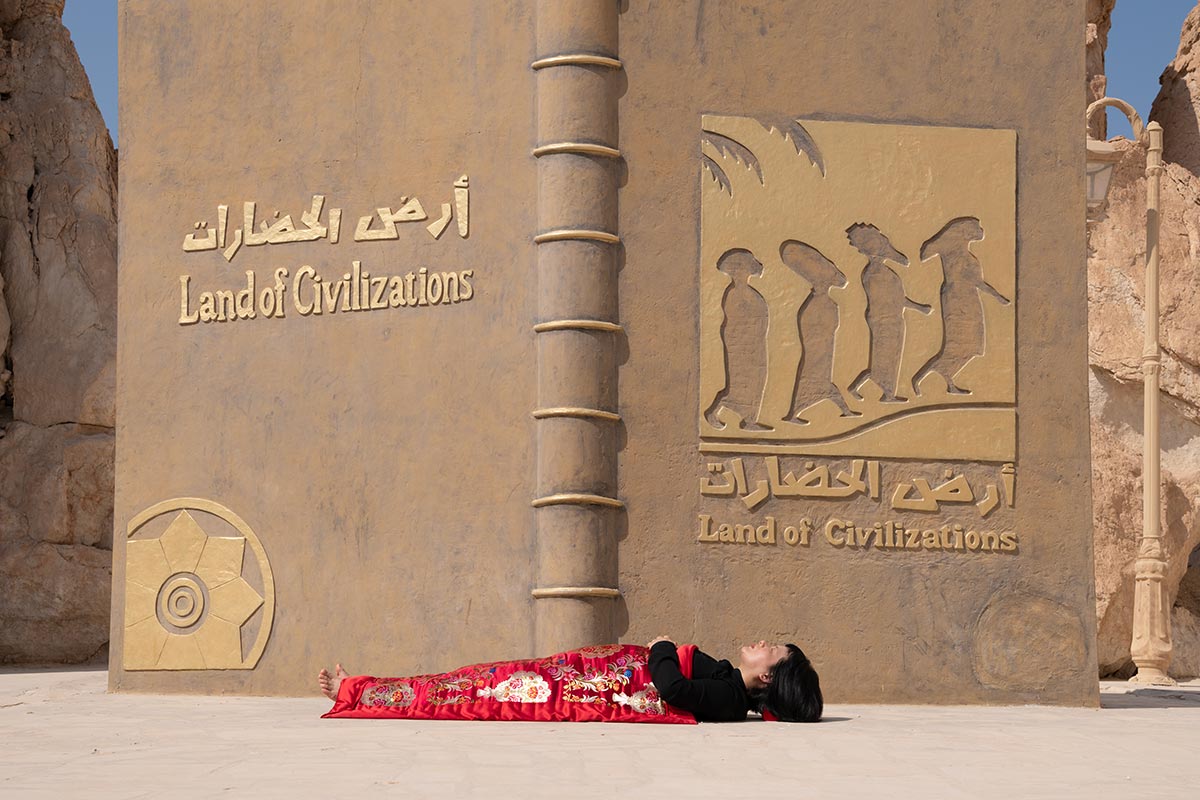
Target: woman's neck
{"x":750,"y":679}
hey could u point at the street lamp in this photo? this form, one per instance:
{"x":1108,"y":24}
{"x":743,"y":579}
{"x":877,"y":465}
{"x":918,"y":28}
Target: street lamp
{"x":1151,"y":645}
{"x":1102,"y":157}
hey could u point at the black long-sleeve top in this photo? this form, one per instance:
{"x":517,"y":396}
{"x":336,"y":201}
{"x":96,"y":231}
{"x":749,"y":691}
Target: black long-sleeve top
{"x":715,"y":692}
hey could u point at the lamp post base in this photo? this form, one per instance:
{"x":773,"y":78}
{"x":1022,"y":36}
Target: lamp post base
{"x":1152,"y":676}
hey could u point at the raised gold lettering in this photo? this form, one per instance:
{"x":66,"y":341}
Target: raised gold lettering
{"x":186,"y":317}
{"x":450,"y":280}
{"x":224,"y":304}
{"x":266,"y":302}
{"x":833,"y":529}
{"x":333,"y":289}
{"x":244,"y":302}
{"x":435,"y":289}
{"x":280,"y":283}
{"x":378,"y":292}
{"x":303,"y":308}
{"x":396,"y":292}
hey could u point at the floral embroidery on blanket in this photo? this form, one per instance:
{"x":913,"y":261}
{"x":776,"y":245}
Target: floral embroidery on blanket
{"x":394,"y":695}
{"x":646,"y":701}
{"x":520,"y":687}
{"x":599,"y":650}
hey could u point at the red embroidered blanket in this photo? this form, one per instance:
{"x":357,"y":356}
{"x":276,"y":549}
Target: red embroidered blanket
{"x":605,"y":683}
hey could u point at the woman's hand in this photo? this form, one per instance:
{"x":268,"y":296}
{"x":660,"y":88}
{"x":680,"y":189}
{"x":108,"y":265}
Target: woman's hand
{"x":660,"y":639}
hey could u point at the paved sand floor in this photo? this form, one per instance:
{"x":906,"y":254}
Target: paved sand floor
{"x":62,"y":736}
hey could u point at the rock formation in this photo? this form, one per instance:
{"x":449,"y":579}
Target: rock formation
{"x":1116,"y":285}
{"x":1099,"y":21}
{"x":58,"y":273}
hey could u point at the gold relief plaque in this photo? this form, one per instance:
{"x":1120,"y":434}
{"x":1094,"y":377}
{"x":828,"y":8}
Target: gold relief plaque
{"x":857,"y":289}
{"x":188,"y":594}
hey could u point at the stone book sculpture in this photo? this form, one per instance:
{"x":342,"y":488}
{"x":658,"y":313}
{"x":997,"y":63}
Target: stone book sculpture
{"x":512,"y":328}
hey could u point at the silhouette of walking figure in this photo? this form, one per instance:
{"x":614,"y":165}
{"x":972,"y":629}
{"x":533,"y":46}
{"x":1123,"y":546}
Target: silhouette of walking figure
{"x":963,"y":286}
{"x":818,"y":321}
{"x":886,"y":300}
{"x":744,"y":335}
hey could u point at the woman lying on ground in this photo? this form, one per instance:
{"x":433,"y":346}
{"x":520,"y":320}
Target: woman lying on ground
{"x":605,"y":683}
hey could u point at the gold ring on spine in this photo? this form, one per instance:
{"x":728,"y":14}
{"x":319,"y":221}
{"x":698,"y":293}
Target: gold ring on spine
{"x":576,"y":591}
{"x":576,"y":499}
{"x":581,"y":148}
{"x":576,"y":59}
{"x":577,"y":233}
{"x":577,"y":325}
{"x":569,"y":411}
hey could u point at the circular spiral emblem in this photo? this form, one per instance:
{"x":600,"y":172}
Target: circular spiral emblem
{"x":189,"y":594}
{"x":181,"y":600}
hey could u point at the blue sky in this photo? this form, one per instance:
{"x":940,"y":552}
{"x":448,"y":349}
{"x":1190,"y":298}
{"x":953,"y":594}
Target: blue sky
{"x":1143,"y":41}
{"x":93,"y":27}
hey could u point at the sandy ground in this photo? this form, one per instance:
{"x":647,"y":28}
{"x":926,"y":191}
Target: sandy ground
{"x":62,"y":736}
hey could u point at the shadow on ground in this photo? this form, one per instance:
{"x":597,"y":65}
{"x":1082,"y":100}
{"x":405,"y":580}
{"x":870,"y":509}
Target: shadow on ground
{"x":1152,"y":698}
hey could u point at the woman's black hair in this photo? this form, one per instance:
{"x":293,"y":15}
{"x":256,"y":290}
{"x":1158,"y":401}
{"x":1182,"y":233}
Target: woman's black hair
{"x":794,"y":693}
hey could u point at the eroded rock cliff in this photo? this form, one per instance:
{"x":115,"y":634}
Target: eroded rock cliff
{"x":1116,"y":288}
{"x":58,"y":247}
{"x":1099,"y":22}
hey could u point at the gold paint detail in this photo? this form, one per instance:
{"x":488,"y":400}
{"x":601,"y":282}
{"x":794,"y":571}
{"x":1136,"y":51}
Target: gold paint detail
{"x":140,"y":602}
{"x":576,"y":148}
{"x":577,"y":59}
{"x":221,"y":560}
{"x":144,"y":642}
{"x":146,"y":564}
{"x":577,"y":233}
{"x":577,"y":325}
{"x":857,"y":289}
{"x":219,"y":641}
{"x":277,"y":230}
{"x":186,"y":597}
{"x":577,"y":499}
{"x":774,"y":477}
{"x":183,"y":542}
{"x":575,"y":591}
{"x":235,"y":601}
{"x":587,"y":413}
{"x":180,"y":652}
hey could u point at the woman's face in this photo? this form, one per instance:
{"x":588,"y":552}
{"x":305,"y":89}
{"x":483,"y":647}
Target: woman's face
{"x":762,"y":656}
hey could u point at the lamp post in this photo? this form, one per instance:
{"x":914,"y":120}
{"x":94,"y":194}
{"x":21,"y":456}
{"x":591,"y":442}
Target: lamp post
{"x":1151,"y":645}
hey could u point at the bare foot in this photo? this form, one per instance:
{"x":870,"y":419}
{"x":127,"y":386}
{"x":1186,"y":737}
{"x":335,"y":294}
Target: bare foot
{"x":330,"y":683}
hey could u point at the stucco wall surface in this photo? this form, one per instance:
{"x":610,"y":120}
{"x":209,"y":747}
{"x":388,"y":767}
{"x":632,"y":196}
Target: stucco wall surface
{"x":381,"y":457}
{"x":880,"y":624}
{"x":386,"y":460}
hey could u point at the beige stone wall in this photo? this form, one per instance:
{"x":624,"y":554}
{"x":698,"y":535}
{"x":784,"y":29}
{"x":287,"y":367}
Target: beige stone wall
{"x":387,"y":460}
{"x":383,"y":458}
{"x":879,"y":625}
